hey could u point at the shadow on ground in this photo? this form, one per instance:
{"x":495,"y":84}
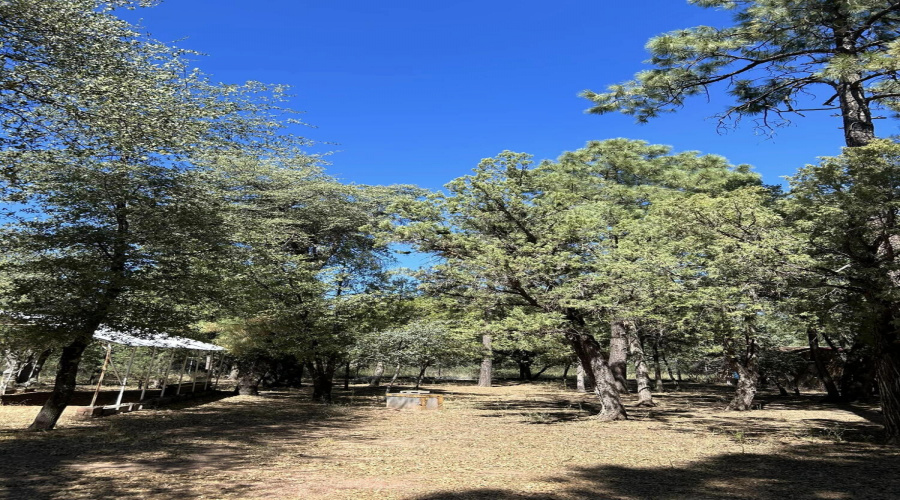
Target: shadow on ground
{"x":801,"y":472}
{"x":176,"y":446}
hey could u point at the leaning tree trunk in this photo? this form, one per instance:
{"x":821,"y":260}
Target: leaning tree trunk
{"x":645,"y":397}
{"x":859,"y":128}
{"x":29,"y":373}
{"x":421,"y":375}
{"x":64,"y":385}
{"x":375,"y":381}
{"x":487,"y":362}
{"x":834,"y":395}
{"x":618,"y":354}
{"x":591,"y":357}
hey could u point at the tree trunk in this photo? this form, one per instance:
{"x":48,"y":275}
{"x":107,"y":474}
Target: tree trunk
{"x":657,"y":368}
{"x":591,"y":356}
{"x":347,"y":375}
{"x":565,"y":375}
{"x":645,"y":397}
{"x":487,"y":361}
{"x":887,"y":368}
{"x":248,"y":377}
{"x":393,"y":379}
{"x":618,"y":354}
{"x":834,"y":395}
{"x":857,"y":376}
{"x":421,"y":375}
{"x":375,"y":381}
{"x":64,"y":386}
{"x":322,"y":372}
{"x":859,"y":129}
{"x":579,"y":377}
{"x":669,"y":371}
{"x":29,"y":372}
{"x":524,"y":370}
{"x":746,"y":384}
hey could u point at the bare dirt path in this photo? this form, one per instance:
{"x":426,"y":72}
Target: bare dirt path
{"x":517,"y":441}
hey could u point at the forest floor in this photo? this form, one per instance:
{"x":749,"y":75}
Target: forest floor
{"x":511,"y":441}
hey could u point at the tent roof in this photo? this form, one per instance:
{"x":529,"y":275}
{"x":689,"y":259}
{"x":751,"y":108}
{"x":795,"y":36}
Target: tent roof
{"x":153,"y":340}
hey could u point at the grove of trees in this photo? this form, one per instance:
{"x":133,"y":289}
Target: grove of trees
{"x":140,"y":196}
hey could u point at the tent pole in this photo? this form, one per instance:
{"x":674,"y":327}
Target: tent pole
{"x":181,"y":373}
{"x":102,"y":373}
{"x":166,"y":374}
{"x":219,"y":371}
{"x":125,"y":378}
{"x":147,"y":373}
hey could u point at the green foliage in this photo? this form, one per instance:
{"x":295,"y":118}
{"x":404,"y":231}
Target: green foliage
{"x":776,"y":54}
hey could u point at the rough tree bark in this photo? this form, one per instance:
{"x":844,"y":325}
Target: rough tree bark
{"x":487,"y":361}
{"x":887,"y":369}
{"x":747,"y":368}
{"x":618,"y":354}
{"x":645,"y":397}
{"x":591,"y":357}
{"x":248,"y":377}
{"x":64,"y":385}
{"x":32,"y":369}
{"x":657,"y":368}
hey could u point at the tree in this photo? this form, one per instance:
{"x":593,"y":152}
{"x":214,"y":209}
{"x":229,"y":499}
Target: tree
{"x":545,"y":239}
{"x":847,"y":209}
{"x":305,"y":269}
{"x":773,"y":60}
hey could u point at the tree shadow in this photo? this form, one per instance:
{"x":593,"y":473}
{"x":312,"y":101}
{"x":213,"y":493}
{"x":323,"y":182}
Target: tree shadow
{"x":176,"y":445}
{"x":814,"y":471}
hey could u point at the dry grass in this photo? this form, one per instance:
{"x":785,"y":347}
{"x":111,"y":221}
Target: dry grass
{"x":517,"y":441}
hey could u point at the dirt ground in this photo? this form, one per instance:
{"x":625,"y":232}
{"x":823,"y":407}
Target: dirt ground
{"x":529,"y":441}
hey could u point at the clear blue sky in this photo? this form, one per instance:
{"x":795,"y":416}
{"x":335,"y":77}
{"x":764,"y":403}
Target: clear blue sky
{"x":418,"y":92}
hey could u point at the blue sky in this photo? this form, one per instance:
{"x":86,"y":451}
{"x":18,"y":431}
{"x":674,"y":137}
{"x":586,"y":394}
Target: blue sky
{"x":419,"y":92}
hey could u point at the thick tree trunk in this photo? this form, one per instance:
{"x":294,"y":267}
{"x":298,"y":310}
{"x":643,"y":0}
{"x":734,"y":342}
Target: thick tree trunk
{"x":64,"y":386}
{"x":375,"y":381}
{"x":645,"y":397}
{"x":248,"y":377}
{"x":618,"y":354}
{"x":859,"y":129}
{"x":824,"y":375}
{"x":887,"y":367}
{"x":591,"y":356}
{"x":487,"y":362}
{"x":746,"y":384}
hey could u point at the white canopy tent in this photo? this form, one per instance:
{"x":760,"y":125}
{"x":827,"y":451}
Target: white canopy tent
{"x":154,"y":341}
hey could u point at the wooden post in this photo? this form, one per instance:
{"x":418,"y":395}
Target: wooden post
{"x":102,"y":373}
{"x":166,"y":374}
{"x":147,"y":373}
{"x":125,"y":378}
